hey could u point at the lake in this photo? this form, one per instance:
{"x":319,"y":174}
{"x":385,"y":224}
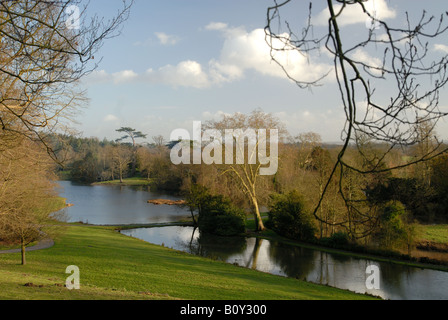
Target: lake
{"x":396,"y":282}
{"x":111,"y":205}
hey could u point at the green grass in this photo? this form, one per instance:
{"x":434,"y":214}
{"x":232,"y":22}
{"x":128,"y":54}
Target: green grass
{"x":434,"y":233}
{"x":134,"y":181}
{"x":115,"y":266}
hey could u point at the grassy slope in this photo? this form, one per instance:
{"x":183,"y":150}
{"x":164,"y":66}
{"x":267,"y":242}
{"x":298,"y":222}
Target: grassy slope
{"x":114,"y":266}
{"x":135,"y":181}
{"x":435,"y":233}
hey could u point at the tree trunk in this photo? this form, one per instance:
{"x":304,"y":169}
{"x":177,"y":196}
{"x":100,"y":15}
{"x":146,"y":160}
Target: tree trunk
{"x":22,"y":245}
{"x":121,"y":175}
{"x":194,"y":220}
{"x":259,"y":226}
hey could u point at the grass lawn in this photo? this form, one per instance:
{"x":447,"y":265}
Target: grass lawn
{"x":135,"y":181}
{"x":435,"y":233}
{"x":115,"y":266}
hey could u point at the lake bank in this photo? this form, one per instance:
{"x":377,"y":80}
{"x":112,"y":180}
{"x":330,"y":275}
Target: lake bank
{"x":363,"y":253}
{"x":399,"y":281}
{"x":112,"y":203}
{"x":136,"y":181}
{"x":128,"y":207}
{"x":115,"y":266}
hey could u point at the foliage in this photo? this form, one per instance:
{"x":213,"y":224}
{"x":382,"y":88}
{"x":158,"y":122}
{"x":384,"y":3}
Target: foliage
{"x":194,"y":195}
{"x":130,"y":133}
{"x":288,"y":217}
{"x":247,"y":175}
{"x":26,"y":194}
{"x":115,"y":266}
{"x":219,"y":216}
{"x":419,"y":199}
{"x":305,"y":165}
{"x":337,"y":239}
{"x":393,"y":231}
{"x":439,"y":182}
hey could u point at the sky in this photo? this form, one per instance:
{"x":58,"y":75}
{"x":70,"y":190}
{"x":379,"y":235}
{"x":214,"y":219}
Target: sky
{"x":179,"y":61}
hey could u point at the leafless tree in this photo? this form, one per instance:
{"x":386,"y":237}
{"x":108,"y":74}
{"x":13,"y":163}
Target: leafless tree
{"x":246,"y":174}
{"x":122,"y":157}
{"x":27,"y":194}
{"x":403,"y":65}
{"x":46,"y":47}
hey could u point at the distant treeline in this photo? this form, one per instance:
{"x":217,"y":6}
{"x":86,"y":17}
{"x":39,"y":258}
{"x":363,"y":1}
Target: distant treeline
{"x":90,"y":160}
{"x":379,"y":208}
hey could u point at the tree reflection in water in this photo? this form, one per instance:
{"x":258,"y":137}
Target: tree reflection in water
{"x":337,"y":270}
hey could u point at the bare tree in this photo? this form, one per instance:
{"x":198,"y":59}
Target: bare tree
{"x":403,"y":63}
{"x":26,"y":194}
{"x":122,"y":157}
{"x":159,"y":140}
{"x":46,"y":47}
{"x":144,"y":161}
{"x":246,"y":173}
{"x":307,"y":141}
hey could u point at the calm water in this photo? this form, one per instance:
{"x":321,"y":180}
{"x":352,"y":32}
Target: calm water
{"x":108,"y":205}
{"x":396,"y":282}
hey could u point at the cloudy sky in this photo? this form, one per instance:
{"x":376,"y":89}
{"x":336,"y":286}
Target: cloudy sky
{"x":179,"y":61}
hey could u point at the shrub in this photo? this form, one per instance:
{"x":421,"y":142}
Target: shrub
{"x":393,"y":231}
{"x":287,"y":216}
{"x":218,"y":216}
{"x":337,"y":239}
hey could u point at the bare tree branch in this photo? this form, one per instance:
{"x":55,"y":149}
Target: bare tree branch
{"x":403,"y":63}
{"x":42,"y":60}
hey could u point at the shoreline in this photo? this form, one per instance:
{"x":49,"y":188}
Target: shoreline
{"x":362,"y":255}
{"x":121,"y":267}
{"x":420,"y":261}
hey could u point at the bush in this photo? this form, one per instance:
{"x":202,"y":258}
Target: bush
{"x":218,"y":216}
{"x":338,"y":239}
{"x":288,"y":218}
{"x":393,"y":231}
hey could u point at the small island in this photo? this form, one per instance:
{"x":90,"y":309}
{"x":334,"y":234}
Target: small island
{"x":167,"y":202}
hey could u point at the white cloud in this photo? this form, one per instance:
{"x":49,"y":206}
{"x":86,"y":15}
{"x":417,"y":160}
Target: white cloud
{"x":166,"y":39}
{"x":441,"y":47}
{"x":216,"y":116}
{"x":241,"y":52}
{"x":185,"y":74}
{"x":124,"y":76}
{"x":101,"y":76}
{"x":220,"y":72}
{"x":216,"y":26}
{"x":375,"y":65}
{"x":353,"y":13}
{"x":96,"y":77}
{"x":110,"y":118}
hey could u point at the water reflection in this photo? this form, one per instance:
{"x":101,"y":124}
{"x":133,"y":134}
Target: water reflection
{"x":128,"y":205}
{"x":397,"y":282}
{"x":104,"y":205}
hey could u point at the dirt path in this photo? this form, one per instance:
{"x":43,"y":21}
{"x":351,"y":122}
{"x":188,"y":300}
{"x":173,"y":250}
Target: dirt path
{"x":44,"y":244}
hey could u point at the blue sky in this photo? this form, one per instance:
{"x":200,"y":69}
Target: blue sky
{"x":179,"y":61}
